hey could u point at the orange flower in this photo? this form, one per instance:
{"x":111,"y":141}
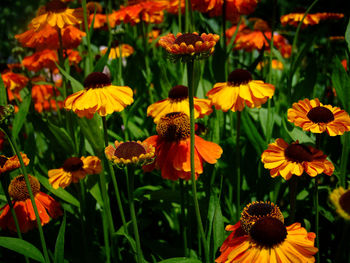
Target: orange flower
{"x":100,"y":96}
{"x":177,"y":101}
{"x":73,"y":56}
{"x":150,"y":11}
{"x":258,"y":38}
{"x":73,"y":170}
{"x":173,"y":6}
{"x":268,"y":240}
{"x":43,"y":95}
{"x":14,"y":83}
{"x":125,"y":49}
{"x":275,"y":64}
{"x":41,"y":59}
{"x":47,"y":38}
{"x":240,"y":90}
{"x":286,"y":159}
{"x":12,"y":163}
{"x":126,"y":153}
{"x":312,"y":115}
{"x":153,"y":35}
{"x":47,"y":206}
{"x":56,"y":14}
{"x":294,"y":19}
{"x":189,"y":46}
{"x":344,"y":63}
{"x":172,"y":146}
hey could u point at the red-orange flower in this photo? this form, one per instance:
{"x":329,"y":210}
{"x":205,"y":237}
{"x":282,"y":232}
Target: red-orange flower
{"x":173,"y":6}
{"x":312,"y":115}
{"x":12,"y":163}
{"x":13,"y":82}
{"x":172,"y":146}
{"x":41,"y":59}
{"x":294,"y":19}
{"x":258,"y":38}
{"x":47,"y":206}
{"x":47,"y":38}
{"x":56,"y":14}
{"x":150,"y":11}
{"x":286,"y":159}
{"x":43,"y":97}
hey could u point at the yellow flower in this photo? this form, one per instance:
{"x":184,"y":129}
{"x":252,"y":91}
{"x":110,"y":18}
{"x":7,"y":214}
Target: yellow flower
{"x":177,"y":101}
{"x":240,"y":90}
{"x":312,"y":115}
{"x":340,"y":198}
{"x":125,"y":49}
{"x":99,"y":96}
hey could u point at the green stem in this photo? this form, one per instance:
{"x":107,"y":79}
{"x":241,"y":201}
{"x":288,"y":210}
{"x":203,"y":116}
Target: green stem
{"x":238,"y":166}
{"x":190,"y":77}
{"x":224,"y":38}
{"x":317,"y":220}
{"x":88,"y":37}
{"x":344,"y":159}
{"x":105,"y":235}
{"x":293,"y":185}
{"x":130,"y":186}
{"x":183,"y":226}
{"x":179,"y":16}
{"x":15,"y":150}
{"x":12,"y":211}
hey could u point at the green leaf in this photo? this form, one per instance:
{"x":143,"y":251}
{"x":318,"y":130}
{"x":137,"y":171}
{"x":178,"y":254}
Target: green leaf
{"x":218,"y":227}
{"x":341,"y":83}
{"x":3,"y":94}
{"x":22,"y":247}
{"x":297,"y":134}
{"x":102,"y":61}
{"x":76,"y":85}
{"x":91,"y":129}
{"x":180,"y":260}
{"x":60,"y":192}
{"x":347,"y":35}
{"x":59,"y":247}
{"x":252,"y":133}
{"x":121,"y":232}
{"x":20,"y":117}
{"x":64,"y":140}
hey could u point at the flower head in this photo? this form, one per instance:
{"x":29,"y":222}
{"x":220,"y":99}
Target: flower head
{"x":189,"y":46}
{"x":99,"y":95}
{"x":46,"y":58}
{"x":293,"y":19}
{"x":47,"y":38}
{"x":47,"y":206}
{"x":43,"y":97}
{"x":117,"y":51}
{"x":177,"y":101}
{"x":340,"y":198}
{"x":240,"y":90}
{"x":56,"y":14}
{"x":286,"y":159}
{"x":8,"y":164}
{"x":312,"y":115}
{"x":267,"y":239}
{"x":125,"y":153}
{"x":172,"y":146}
{"x":73,"y":170}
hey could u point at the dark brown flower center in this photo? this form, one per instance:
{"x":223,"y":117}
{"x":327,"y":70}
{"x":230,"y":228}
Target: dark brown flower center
{"x":344,"y":201}
{"x":128,"y":150}
{"x":188,"y":39}
{"x":55,"y":6}
{"x":3,"y":160}
{"x":260,"y":209}
{"x":96,"y":80}
{"x":174,"y":126}
{"x":18,"y":188}
{"x":238,"y":77}
{"x":320,"y":114}
{"x":178,"y":92}
{"x":73,"y":164}
{"x":268,"y":232}
{"x":298,"y":153}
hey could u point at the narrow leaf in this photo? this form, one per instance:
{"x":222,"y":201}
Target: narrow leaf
{"x":76,"y":85}
{"x":3,"y":94}
{"x":59,"y":247}
{"x":63,"y":139}
{"x":22,"y":247}
{"x":20,"y":117}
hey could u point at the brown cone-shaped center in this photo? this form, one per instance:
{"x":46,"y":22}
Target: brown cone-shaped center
{"x":128,"y":150}
{"x":344,"y":201}
{"x":179,"y":92}
{"x":320,"y":114}
{"x":298,"y":153}
{"x":260,"y":209}
{"x":174,"y":126}
{"x":96,"y":80}
{"x":18,"y":188}
{"x":73,"y":164}
{"x":238,"y":77}
{"x":3,"y":160}
{"x":91,"y":6}
{"x":55,"y":6}
{"x":188,"y":39}
{"x":268,"y":232}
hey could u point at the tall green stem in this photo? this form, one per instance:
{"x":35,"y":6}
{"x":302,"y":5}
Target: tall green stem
{"x":8,"y":199}
{"x":344,"y":159}
{"x":130,"y":185}
{"x":238,"y":166}
{"x":15,"y":150}
{"x":190,"y":82}
{"x":293,"y":184}
{"x":183,"y":226}
{"x":317,"y":212}
{"x":88,"y":37}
